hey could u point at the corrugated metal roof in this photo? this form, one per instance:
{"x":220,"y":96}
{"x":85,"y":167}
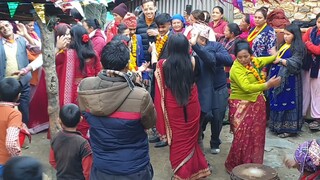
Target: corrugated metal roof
{"x":178,"y":6}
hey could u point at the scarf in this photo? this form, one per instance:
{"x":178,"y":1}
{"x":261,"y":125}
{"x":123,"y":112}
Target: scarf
{"x":111,"y":73}
{"x":315,"y":63}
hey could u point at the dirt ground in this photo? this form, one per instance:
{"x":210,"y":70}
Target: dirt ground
{"x":275,"y":150}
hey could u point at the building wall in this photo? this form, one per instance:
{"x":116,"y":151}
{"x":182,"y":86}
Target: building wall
{"x":178,"y":6}
{"x":302,"y":11}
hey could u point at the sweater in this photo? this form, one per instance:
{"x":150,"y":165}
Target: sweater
{"x":244,"y":85}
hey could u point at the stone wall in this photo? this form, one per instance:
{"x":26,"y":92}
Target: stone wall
{"x":305,"y":11}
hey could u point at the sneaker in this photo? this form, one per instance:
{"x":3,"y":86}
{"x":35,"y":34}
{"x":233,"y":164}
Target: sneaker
{"x":161,"y":144}
{"x":153,"y":139}
{"x":215,"y":151}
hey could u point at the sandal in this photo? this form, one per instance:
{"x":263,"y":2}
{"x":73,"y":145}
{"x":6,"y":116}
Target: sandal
{"x":285,"y":135}
{"x":315,"y":125}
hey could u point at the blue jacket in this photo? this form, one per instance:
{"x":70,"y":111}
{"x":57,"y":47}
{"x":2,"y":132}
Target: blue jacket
{"x":118,"y":115}
{"x":141,"y":58}
{"x":22,"y":59}
{"x":119,"y":143}
{"x":210,"y":60}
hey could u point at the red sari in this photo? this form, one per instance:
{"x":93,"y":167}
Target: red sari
{"x":248,"y":125}
{"x":69,"y":76}
{"x":187,"y":159}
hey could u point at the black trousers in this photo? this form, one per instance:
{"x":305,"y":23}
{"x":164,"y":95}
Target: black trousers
{"x":216,"y":116}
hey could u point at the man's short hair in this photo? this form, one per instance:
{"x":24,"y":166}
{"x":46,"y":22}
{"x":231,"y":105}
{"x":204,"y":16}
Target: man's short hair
{"x":22,"y":168}
{"x":115,"y":55}
{"x":146,"y":1}
{"x":162,"y":19}
{"x":10,"y":89}
{"x":70,"y":115}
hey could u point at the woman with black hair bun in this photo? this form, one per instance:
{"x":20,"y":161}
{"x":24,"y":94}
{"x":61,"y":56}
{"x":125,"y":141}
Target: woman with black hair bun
{"x":231,"y":36}
{"x":97,"y":37}
{"x":218,"y":24}
{"x":246,"y":24}
{"x":75,"y":63}
{"x":247,"y":106}
{"x":262,"y":37}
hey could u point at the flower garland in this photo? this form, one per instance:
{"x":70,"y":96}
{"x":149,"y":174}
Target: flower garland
{"x":160,"y":42}
{"x":133,"y":54}
{"x":256,"y":71}
{"x":255,"y":33}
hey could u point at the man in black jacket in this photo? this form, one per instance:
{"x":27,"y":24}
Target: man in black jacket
{"x":147,"y":28}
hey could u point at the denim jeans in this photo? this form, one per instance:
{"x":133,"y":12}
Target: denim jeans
{"x":24,"y":103}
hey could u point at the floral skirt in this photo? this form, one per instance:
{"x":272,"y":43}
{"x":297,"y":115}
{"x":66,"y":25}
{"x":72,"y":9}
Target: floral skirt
{"x":248,"y":125}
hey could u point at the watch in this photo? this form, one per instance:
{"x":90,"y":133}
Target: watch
{"x":280,"y":62}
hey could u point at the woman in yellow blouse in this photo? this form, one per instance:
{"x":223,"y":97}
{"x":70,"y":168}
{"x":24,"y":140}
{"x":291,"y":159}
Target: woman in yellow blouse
{"x":247,"y":106}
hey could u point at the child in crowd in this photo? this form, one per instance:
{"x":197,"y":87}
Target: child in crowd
{"x":10,"y":120}
{"x":70,"y":153}
{"x":306,"y":160}
{"x":23,"y":168}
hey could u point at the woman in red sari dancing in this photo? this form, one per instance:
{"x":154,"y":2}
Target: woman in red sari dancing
{"x":73,"y":64}
{"x":247,"y":106}
{"x":178,"y":109}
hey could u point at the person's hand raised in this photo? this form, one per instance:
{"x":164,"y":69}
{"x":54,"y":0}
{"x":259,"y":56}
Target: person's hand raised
{"x":62,"y":42}
{"x":22,"y":30}
{"x":194,"y":37}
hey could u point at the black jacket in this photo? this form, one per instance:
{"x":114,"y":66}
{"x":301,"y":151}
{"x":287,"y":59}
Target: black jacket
{"x":142,"y":28}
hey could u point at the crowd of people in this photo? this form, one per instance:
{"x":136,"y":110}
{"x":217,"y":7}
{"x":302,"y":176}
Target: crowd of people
{"x":151,"y":77}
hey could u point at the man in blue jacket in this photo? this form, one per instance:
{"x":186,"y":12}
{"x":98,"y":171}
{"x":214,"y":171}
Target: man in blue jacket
{"x":118,"y":113}
{"x":211,"y":57}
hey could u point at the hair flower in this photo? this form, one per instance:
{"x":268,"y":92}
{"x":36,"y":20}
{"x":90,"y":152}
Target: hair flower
{"x":85,"y":38}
